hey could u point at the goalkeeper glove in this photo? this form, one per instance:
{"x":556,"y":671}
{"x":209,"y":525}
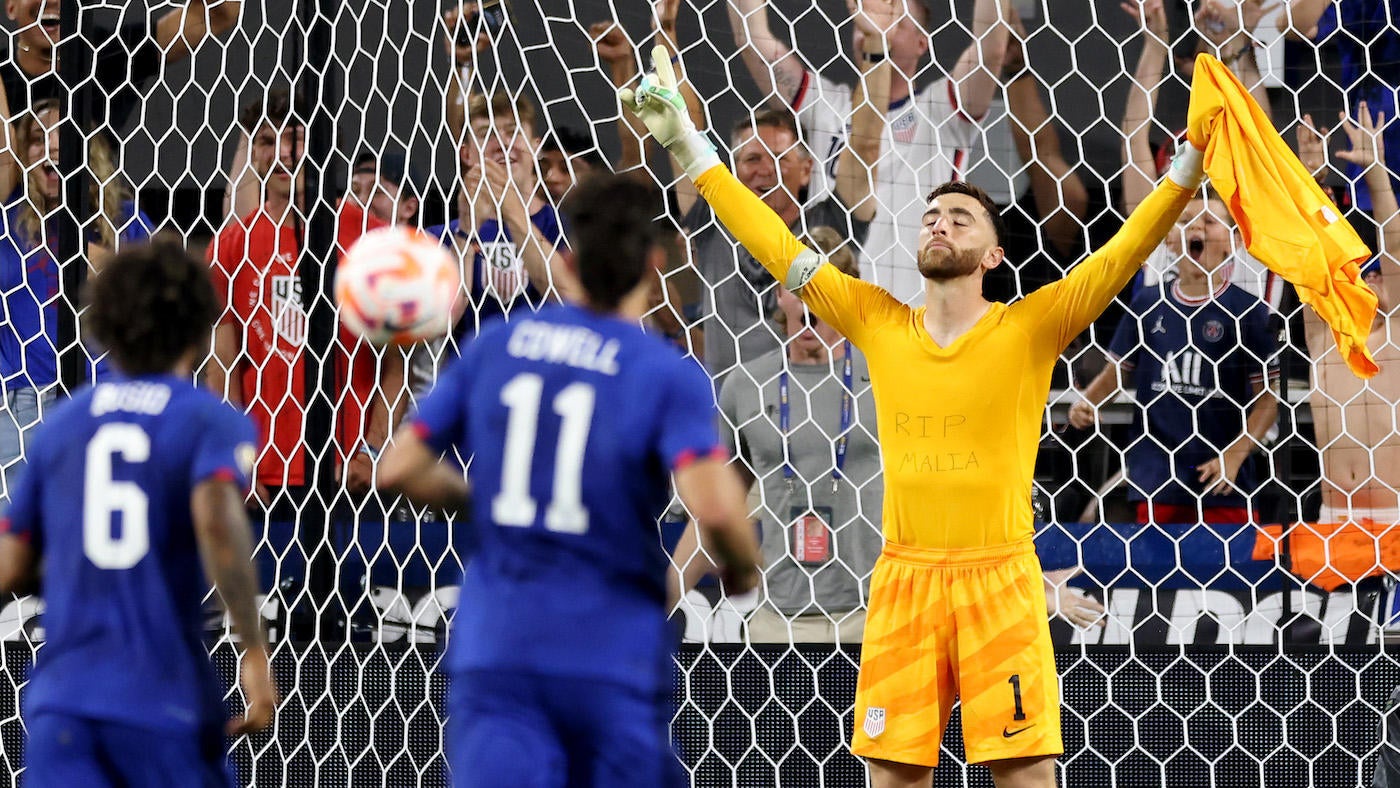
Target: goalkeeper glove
{"x":1188,"y":166}
{"x":659,"y":105}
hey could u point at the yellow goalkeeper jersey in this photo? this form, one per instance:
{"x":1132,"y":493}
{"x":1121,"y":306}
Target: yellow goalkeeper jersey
{"x":958,"y":425}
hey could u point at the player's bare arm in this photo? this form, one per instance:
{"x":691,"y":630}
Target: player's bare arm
{"x":409,"y":467}
{"x":714,"y":496}
{"x":225,"y":547}
{"x":691,"y":560}
{"x":19,"y":565}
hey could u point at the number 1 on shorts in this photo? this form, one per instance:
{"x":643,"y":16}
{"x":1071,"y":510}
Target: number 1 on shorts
{"x":1015,"y":682}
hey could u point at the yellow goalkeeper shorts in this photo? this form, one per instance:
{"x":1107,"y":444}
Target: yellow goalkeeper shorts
{"x":967,"y":623}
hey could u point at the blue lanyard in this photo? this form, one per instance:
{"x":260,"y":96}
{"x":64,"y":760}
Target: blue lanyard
{"x":847,"y":410}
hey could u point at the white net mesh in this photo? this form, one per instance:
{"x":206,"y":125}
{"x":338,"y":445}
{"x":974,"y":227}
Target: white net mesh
{"x":1213,"y":664}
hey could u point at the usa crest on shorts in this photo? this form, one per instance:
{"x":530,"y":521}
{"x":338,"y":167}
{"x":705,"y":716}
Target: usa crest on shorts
{"x":874,"y":722}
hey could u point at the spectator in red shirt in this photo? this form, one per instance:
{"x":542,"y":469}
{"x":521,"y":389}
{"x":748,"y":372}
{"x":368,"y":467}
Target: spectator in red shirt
{"x":383,"y":191}
{"x":253,"y":261}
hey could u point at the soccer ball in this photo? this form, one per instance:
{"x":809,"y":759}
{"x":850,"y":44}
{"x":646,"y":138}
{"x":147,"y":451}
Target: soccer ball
{"x":398,"y":286}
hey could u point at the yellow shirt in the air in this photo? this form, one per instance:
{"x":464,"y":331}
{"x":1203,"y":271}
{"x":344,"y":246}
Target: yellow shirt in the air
{"x":959,"y":425}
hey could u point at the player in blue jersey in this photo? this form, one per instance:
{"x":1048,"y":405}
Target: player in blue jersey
{"x":576,"y":422}
{"x":131,"y":485}
{"x":1206,"y":371}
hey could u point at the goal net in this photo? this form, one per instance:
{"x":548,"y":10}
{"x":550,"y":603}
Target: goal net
{"x":1244,"y":637}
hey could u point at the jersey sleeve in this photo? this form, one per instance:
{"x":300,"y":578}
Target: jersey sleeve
{"x":687,"y":417}
{"x":227,"y":448}
{"x":1127,"y":338}
{"x":441,"y":419}
{"x":1058,"y":312}
{"x":853,"y":306}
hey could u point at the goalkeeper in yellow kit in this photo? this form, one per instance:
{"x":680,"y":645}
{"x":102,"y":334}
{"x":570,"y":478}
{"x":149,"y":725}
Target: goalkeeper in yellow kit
{"x":956,"y":601}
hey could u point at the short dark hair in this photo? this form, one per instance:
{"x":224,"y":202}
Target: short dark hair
{"x":612,"y":224}
{"x":976,"y":193}
{"x":150,"y":304}
{"x":767,"y":119}
{"x":277,"y":106}
{"x":392,"y":166}
{"x":573,"y":144}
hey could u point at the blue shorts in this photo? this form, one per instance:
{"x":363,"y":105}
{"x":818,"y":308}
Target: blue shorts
{"x":533,"y":731}
{"x":66,"y":750}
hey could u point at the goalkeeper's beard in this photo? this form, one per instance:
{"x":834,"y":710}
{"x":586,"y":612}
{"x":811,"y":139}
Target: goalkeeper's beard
{"x":940,"y":264}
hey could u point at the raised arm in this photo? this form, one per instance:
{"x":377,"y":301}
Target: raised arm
{"x":857,"y":166}
{"x":181,"y":30}
{"x":1060,"y":196}
{"x":665,"y":40}
{"x":615,"y":50}
{"x":846,"y":303}
{"x":772,"y":63}
{"x":464,"y":41}
{"x":1227,"y":31}
{"x":1300,"y":17}
{"x":1139,"y":166}
{"x":976,"y":72}
{"x":1068,"y":306}
{"x":1367,"y":152}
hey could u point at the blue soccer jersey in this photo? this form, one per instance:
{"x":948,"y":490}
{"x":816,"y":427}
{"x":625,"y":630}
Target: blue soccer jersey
{"x":105,"y":502}
{"x":574,"y":421}
{"x":1197,"y":363}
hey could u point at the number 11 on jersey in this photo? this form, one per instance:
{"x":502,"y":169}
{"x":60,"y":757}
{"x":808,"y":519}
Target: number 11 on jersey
{"x":513,"y":506}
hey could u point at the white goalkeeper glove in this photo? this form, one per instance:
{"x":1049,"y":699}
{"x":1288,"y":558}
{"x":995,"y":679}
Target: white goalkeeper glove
{"x":659,"y":105}
{"x":1188,"y":166}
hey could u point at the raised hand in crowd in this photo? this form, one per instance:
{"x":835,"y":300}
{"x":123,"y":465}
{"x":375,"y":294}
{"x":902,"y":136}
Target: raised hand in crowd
{"x":1151,"y":18}
{"x":1312,"y":147}
{"x":461,"y":45}
{"x":1367,"y":143}
{"x":464,"y":39}
{"x":613,"y":46}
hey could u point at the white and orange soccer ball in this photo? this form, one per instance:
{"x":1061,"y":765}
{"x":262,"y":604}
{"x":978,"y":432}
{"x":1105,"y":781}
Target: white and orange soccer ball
{"x":397,"y":286}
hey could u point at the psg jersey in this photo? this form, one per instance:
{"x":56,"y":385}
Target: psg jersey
{"x":1197,"y":363}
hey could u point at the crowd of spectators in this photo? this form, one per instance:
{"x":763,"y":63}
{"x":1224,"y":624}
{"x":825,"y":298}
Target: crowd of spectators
{"x":848,"y":164}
